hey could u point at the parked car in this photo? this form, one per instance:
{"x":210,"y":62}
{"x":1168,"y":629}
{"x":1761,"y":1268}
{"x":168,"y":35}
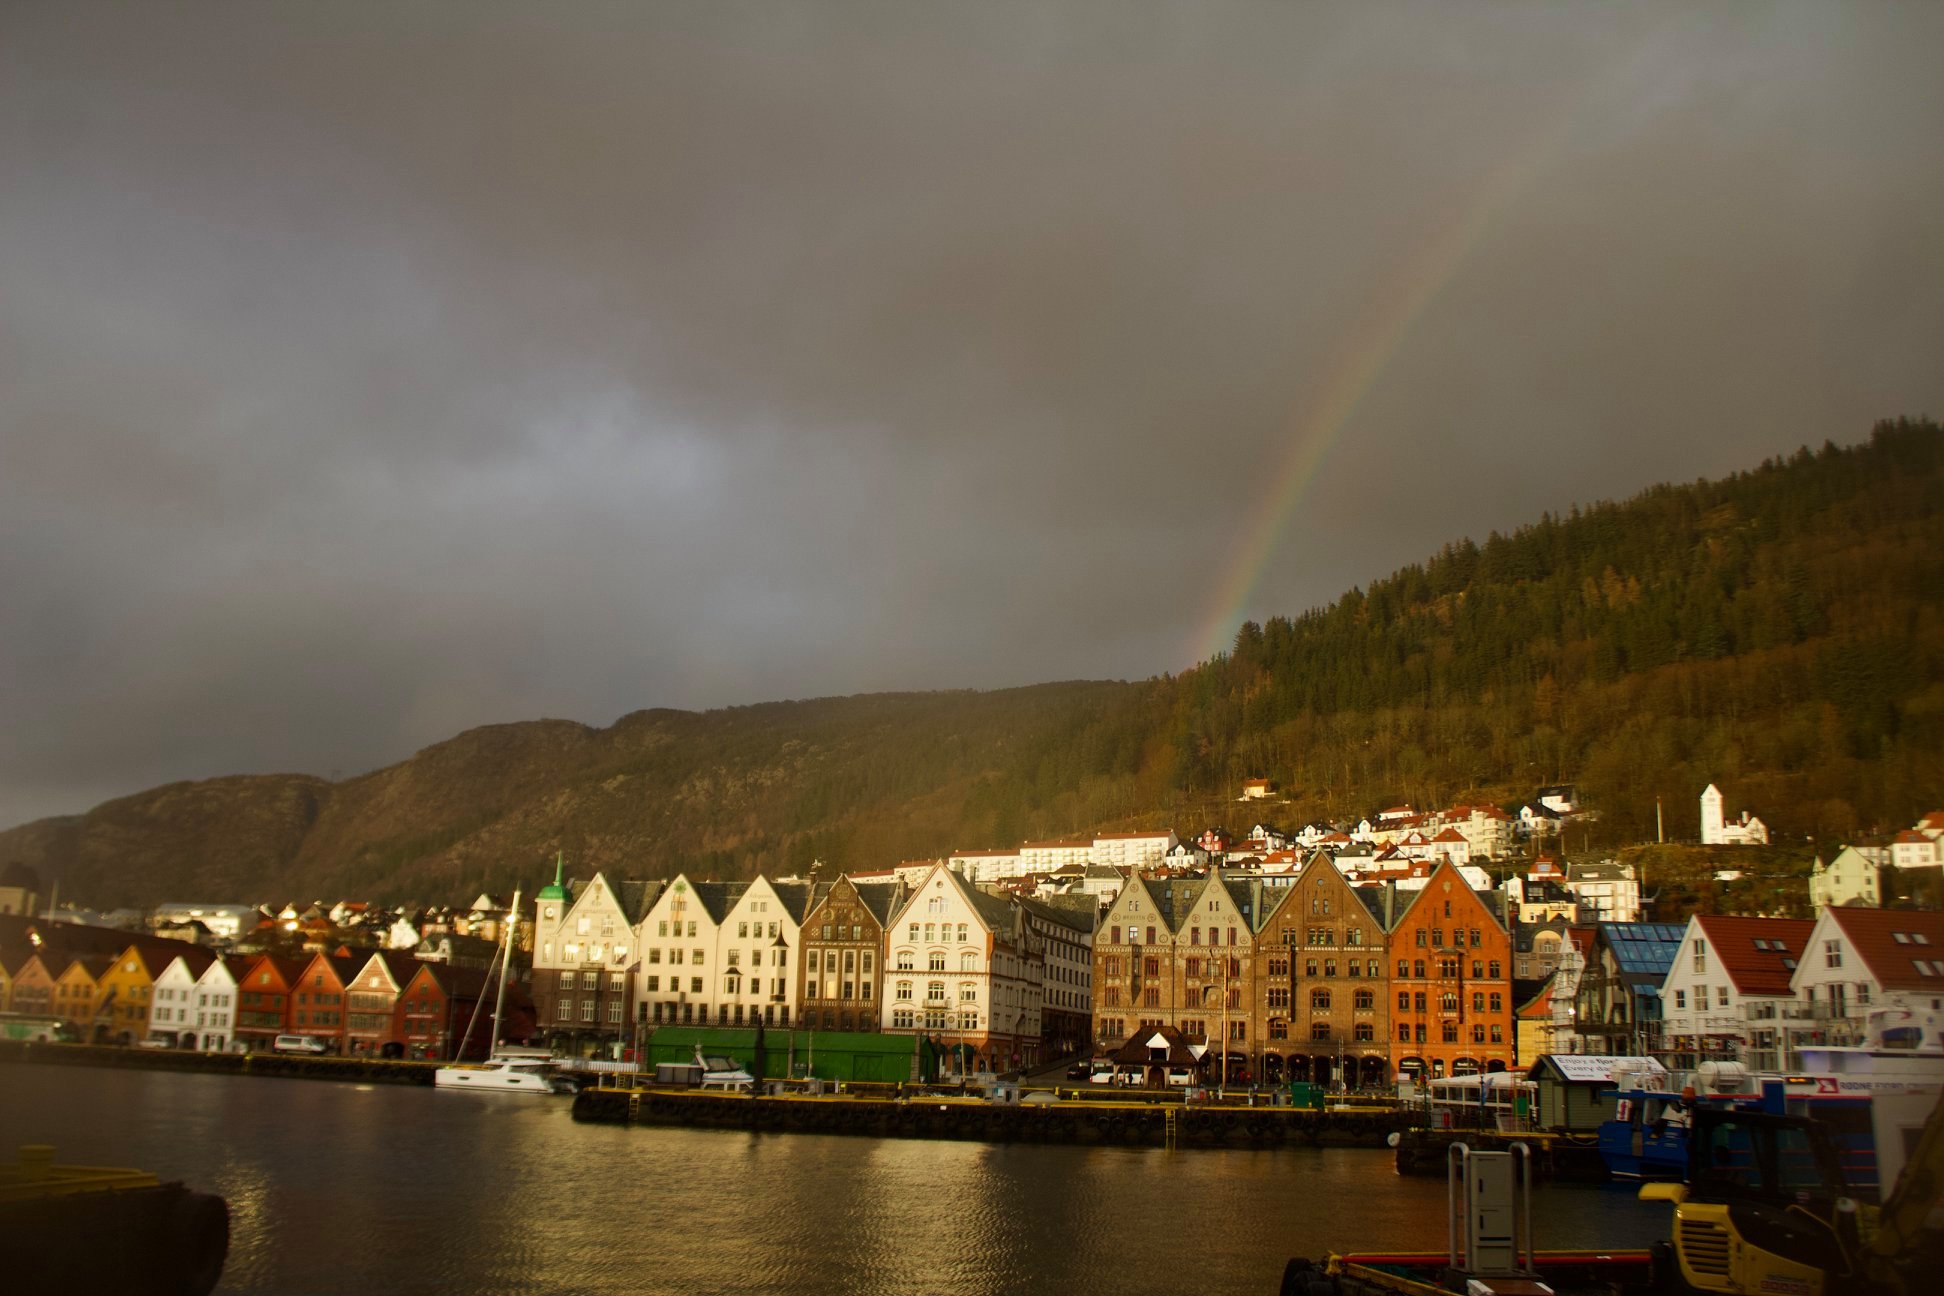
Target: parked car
{"x":153,"y":1043}
{"x":1080,"y":1071}
{"x":298,"y":1044}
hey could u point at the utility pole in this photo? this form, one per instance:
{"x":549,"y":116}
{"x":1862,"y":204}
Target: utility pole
{"x":1660,"y":830}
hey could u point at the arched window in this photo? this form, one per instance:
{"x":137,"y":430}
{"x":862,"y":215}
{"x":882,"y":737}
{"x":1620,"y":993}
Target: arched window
{"x":1319,"y":1001}
{"x":1450,"y":1001}
{"x":969,"y":961}
{"x":935,"y":992}
{"x":904,"y":990}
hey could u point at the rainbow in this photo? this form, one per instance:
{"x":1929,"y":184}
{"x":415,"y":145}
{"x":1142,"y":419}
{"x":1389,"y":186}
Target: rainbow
{"x":1315,"y":426}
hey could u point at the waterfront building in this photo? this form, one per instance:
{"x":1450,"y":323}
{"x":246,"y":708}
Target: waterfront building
{"x":587,"y":956}
{"x":1727,"y":992}
{"x":761,"y":943}
{"x":1857,"y":960}
{"x":961,"y":973}
{"x":317,"y":1003}
{"x":126,"y":990}
{"x":1450,"y":959}
{"x":439,"y":1005}
{"x":9,"y":959}
{"x":1060,"y":932}
{"x":216,"y":1003}
{"x":371,"y":1016}
{"x":1538,"y":1031}
{"x":681,"y":953}
{"x":1319,"y":1000}
{"x":172,"y":1010}
{"x":76,"y":991}
{"x":1132,"y":991}
{"x":265,"y":998}
{"x":1617,"y":1005}
{"x":842,"y":969}
{"x":32,"y":990}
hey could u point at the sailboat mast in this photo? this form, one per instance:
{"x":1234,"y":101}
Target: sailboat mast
{"x":506,"y":966}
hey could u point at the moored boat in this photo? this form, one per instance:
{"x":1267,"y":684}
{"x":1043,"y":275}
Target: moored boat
{"x":98,"y":1229}
{"x":507,"y":1071}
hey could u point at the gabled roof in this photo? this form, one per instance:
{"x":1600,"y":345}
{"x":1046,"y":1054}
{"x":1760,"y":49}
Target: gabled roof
{"x":1540,"y":1005}
{"x":637,"y":898}
{"x":195,"y":962}
{"x":881,"y":898}
{"x":1892,"y":941}
{"x":1492,"y":902}
{"x":1077,"y":919}
{"x":717,"y":898}
{"x":1756,"y":971}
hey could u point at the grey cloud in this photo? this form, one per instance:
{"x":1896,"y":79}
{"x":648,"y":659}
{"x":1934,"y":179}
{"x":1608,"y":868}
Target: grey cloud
{"x":374,"y":372}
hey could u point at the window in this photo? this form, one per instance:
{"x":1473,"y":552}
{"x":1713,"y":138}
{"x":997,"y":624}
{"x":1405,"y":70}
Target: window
{"x":1278,"y":1028}
{"x":587,"y":1010}
{"x":1403,"y":1034}
{"x":1493,"y":971}
{"x":1680,"y":998}
{"x":1319,"y":1001}
{"x":904,"y":990}
{"x":1721,"y":996}
{"x":1451,"y":1032}
{"x":654,"y":984}
{"x":1421,"y":938}
{"x":1403,"y":1001}
{"x":937,"y":961}
{"x":1366,"y":1033}
{"x":695,"y":985}
{"x":1403,"y":968}
{"x":935,"y":992}
{"x":1700,"y":954}
{"x":1449,"y":1003}
{"x":1832,"y":953}
{"x":1320,"y":1031}
{"x":566,"y":980}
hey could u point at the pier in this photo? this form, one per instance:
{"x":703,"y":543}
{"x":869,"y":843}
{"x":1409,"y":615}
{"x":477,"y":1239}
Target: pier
{"x":950,"y":1116}
{"x":298,"y":1066}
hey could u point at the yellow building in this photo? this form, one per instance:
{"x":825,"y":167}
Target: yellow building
{"x":76,"y":991}
{"x":1536,"y":1029}
{"x":125,"y":993}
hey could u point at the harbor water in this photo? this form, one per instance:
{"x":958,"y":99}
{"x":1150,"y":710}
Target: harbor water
{"x":338,"y":1188}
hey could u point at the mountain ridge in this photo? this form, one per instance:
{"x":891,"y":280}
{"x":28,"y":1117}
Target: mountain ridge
{"x":1776,"y":631}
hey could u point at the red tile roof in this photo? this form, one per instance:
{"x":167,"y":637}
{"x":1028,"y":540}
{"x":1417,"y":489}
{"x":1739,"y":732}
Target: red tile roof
{"x":1891,"y":942}
{"x":1764,"y":971}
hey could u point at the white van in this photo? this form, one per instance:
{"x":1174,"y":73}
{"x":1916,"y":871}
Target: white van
{"x":298,"y":1044}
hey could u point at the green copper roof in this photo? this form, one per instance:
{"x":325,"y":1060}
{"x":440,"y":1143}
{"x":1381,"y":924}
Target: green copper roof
{"x":557,"y":890}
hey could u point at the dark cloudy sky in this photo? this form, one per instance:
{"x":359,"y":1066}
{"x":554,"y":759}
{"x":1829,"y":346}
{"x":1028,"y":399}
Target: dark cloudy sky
{"x":370,"y":371}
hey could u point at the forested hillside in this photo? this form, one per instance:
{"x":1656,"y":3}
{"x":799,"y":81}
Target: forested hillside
{"x":1777,"y":633}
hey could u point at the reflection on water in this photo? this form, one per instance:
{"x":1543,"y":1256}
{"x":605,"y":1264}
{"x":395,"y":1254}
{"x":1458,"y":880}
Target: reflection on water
{"x":336,"y":1188}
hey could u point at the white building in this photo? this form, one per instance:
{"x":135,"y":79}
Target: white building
{"x":1728,"y":993}
{"x":172,"y":1004}
{"x":958,"y":968}
{"x":759,"y":949}
{"x":680,"y":980}
{"x":1051,"y":856}
{"x":1852,"y":878}
{"x":982,"y":866}
{"x":1133,"y":850}
{"x":1913,"y":848}
{"x":1716,"y":831}
{"x":1860,"y":959}
{"x":225,"y":922}
{"x":1607,"y":891}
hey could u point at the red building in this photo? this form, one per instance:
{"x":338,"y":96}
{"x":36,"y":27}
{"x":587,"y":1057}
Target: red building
{"x":439,"y":1005}
{"x":1451,"y":982}
{"x":264,"y":998}
{"x":317,"y":1005}
{"x":371,"y":1018}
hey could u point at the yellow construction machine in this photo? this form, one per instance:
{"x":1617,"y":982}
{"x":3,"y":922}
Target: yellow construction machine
{"x":1765,"y":1211}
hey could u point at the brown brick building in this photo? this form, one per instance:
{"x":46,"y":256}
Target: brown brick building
{"x":841,"y":973}
{"x":1320,"y":1001}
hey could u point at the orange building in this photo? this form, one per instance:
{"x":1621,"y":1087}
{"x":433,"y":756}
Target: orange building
{"x":76,"y":992}
{"x":1451,"y":1005}
{"x":126,"y":991}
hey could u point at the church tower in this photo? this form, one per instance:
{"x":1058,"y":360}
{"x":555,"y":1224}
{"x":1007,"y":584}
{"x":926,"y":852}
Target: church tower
{"x":1711,"y":834}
